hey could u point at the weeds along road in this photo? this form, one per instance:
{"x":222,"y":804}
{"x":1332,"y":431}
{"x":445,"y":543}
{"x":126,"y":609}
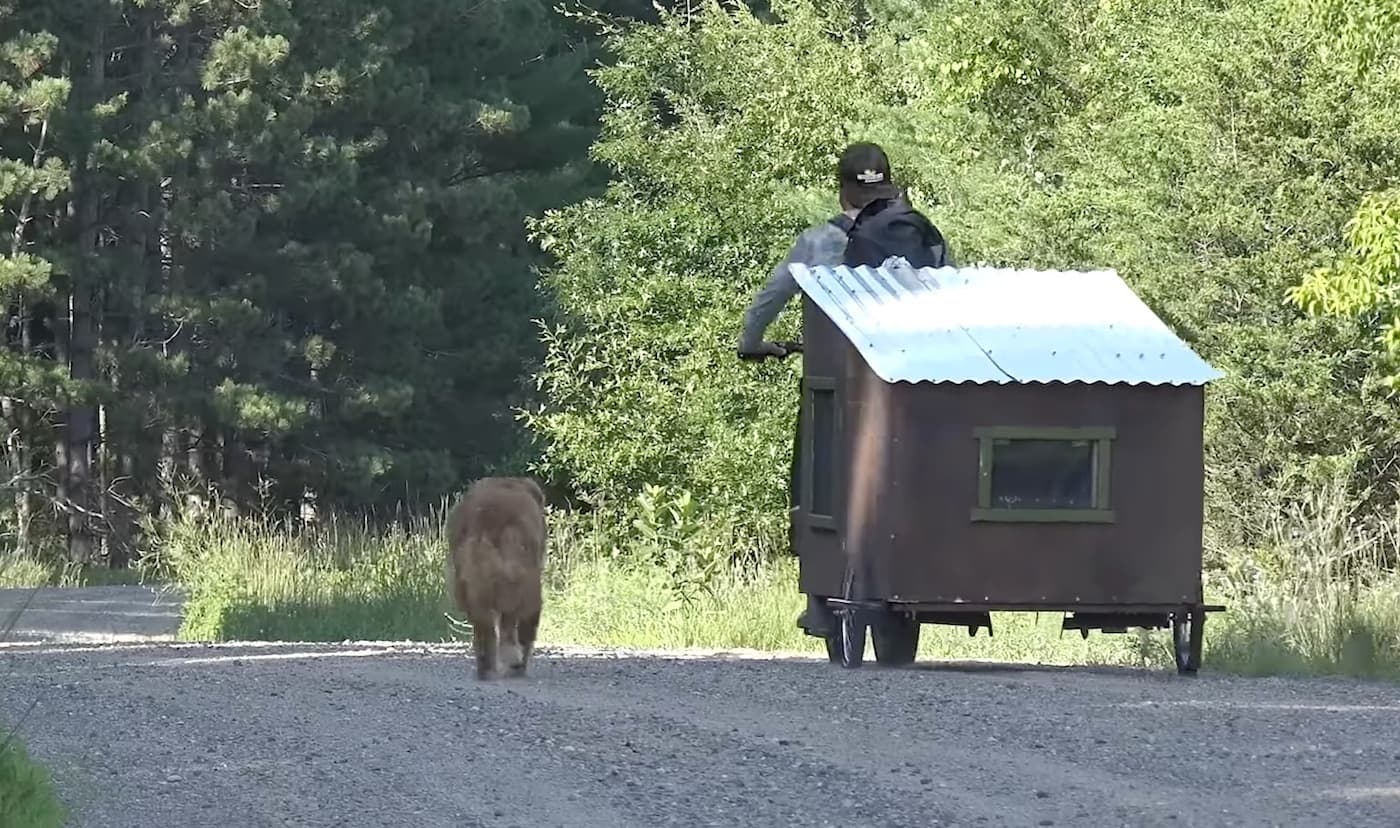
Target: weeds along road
{"x":402,"y":735}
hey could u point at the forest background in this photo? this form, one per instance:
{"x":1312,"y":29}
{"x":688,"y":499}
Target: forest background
{"x":280,"y":278}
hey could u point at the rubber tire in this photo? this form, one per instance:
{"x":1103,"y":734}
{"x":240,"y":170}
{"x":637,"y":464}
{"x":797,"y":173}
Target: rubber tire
{"x":1188,"y":638}
{"x":896,"y":639}
{"x":846,"y":646}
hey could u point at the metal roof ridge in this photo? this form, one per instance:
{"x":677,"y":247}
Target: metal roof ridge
{"x":987,"y":324}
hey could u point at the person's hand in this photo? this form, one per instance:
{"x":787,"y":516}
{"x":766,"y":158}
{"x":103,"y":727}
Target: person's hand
{"x":764,"y":349}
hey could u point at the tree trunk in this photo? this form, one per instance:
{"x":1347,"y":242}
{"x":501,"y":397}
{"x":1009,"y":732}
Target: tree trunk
{"x":82,"y":418}
{"x":169,"y":282}
{"x":121,"y":491}
{"x":82,"y":338}
{"x":16,"y":443}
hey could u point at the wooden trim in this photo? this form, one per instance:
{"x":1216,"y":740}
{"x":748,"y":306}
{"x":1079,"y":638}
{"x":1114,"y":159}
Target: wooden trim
{"x":1042,"y":516}
{"x":1045,"y":433}
{"x":1103,"y":463}
{"x":811,"y":384}
{"x":984,"y":473}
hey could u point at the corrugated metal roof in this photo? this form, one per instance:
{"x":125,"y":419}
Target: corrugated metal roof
{"x":982,"y":324}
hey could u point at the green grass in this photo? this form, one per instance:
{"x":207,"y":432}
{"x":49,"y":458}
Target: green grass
{"x":1320,"y":597}
{"x":28,"y":571}
{"x":17,"y":571}
{"x":248,"y":580}
{"x":603,"y":603}
{"x":27,"y":798}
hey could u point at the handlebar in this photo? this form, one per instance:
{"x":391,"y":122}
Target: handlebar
{"x":789,"y":347}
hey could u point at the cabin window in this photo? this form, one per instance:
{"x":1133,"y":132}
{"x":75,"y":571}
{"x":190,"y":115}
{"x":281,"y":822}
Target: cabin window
{"x":1044,"y":475}
{"x":821,"y":445}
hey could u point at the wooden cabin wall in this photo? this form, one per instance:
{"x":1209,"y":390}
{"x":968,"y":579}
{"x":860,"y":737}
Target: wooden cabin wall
{"x":825,"y":354}
{"x":1151,"y":554}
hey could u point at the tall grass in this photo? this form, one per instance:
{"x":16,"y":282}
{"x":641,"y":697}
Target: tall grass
{"x":27,"y":796}
{"x":1320,"y":595}
{"x":24,"y":571}
{"x":254,"y":579}
{"x":258,"y":579}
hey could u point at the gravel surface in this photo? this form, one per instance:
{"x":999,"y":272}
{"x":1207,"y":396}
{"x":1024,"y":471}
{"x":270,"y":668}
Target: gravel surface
{"x":91,"y":614}
{"x":398,"y":734}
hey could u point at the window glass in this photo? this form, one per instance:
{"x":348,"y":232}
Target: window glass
{"x":1042,"y":474}
{"x":823,"y":469}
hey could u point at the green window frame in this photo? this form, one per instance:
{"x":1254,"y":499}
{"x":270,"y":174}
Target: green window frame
{"x":821,"y":447}
{"x":1101,"y":440}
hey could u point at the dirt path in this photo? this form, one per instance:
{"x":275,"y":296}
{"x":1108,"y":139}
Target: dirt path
{"x":90,"y":614}
{"x":383,"y":734}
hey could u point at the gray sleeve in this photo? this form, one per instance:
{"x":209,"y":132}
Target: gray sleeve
{"x":820,"y":245}
{"x":767,"y":304}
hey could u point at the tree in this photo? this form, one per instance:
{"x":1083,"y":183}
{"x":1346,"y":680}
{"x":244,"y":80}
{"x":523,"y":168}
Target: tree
{"x":1205,"y":152}
{"x":275,"y":251}
{"x":32,"y":179}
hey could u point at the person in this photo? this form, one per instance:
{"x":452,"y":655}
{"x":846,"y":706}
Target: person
{"x":875,"y":223}
{"x":869,"y":198}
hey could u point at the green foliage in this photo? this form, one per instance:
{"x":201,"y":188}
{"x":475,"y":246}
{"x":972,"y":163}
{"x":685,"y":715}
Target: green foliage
{"x":1321,"y":596}
{"x":293,"y":237}
{"x":27,"y":798}
{"x":669,"y":537}
{"x":1211,"y":154}
{"x":1364,"y":282}
{"x":640,"y":381}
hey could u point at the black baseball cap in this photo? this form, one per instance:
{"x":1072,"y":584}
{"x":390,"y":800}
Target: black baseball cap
{"x":864,"y":170}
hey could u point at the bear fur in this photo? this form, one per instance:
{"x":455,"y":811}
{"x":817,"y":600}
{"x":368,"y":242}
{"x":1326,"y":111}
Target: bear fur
{"x":496,"y":538}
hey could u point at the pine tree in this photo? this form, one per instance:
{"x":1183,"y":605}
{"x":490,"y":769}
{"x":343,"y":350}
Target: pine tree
{"x":32,"y":180}
{"x":275,"y":251}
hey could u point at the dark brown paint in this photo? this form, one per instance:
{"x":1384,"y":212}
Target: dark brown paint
{"x":907,"y":467}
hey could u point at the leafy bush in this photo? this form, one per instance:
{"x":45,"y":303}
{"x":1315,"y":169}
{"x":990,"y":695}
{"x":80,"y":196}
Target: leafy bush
{"x":1211,"y":153}
{"x":27,"y":798}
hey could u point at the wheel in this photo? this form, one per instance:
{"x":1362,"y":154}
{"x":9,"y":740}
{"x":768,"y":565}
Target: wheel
{"x":846,"y":644}
{"x":1188,"y":638}
{"x":896,"y":639}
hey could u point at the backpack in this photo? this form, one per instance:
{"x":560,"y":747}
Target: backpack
{"x":890,"y":227}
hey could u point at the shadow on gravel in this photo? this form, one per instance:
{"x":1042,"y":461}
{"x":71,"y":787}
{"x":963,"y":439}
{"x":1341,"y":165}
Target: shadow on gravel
{"x":1011,"y":667}
{"x":411,"y":615}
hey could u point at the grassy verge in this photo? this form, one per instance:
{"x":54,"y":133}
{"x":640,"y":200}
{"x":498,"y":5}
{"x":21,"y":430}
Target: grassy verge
{"x":247,"y":580}
{"x":1319,"y":596}
{"x":28,"y":571}
{"x":27,"y":798}
{"x":1322,"y":599}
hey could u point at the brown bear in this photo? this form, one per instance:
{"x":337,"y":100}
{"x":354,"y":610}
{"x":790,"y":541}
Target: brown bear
{"x":496,"y":538}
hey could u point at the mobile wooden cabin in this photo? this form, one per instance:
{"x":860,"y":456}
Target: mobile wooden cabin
{"x":985,"y":439}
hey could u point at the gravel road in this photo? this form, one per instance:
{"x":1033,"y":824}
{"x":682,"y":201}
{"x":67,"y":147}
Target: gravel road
{"x":398,"y":734}
{"x":91,"y":614}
